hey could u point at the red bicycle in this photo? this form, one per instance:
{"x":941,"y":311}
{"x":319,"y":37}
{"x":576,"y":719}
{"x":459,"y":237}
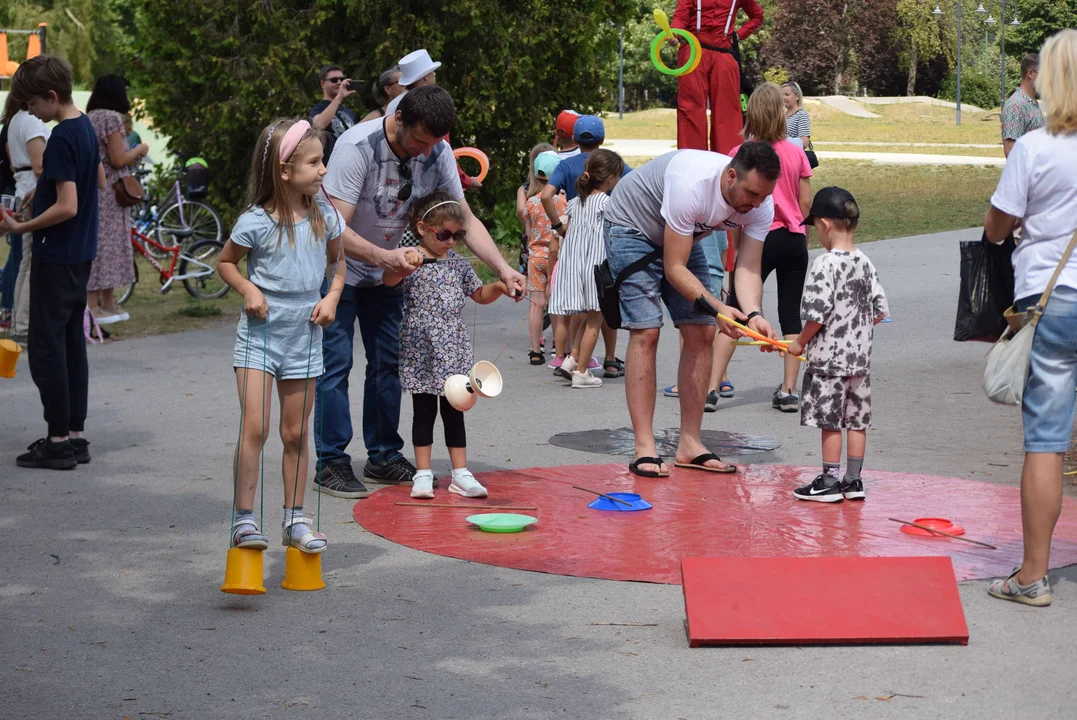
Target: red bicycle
{"x":195,"y":265}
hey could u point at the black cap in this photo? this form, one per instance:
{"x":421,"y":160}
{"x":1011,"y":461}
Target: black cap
{"x":835,"y":203}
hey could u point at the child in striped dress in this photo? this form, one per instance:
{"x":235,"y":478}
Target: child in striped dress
{"x":583,"y":248}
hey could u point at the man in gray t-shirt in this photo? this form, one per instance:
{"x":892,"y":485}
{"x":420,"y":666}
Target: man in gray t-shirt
{"x":378,"y":168}
{"x":668,"y":205}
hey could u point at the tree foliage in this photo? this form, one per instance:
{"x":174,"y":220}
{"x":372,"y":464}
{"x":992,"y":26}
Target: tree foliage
{"x":214,"y":72}
{"x":1039,"y":19}
{"x":85,"y":32}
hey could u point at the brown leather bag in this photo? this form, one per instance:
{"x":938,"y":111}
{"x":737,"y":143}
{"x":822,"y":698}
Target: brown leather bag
{"x":129,"y":191}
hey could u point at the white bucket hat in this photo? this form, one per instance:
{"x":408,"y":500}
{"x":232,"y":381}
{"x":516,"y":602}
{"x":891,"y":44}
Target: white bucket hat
{"x":415,"y":66}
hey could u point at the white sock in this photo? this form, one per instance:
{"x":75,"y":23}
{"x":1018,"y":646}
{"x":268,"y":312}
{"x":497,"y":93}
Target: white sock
{"x":458,"y":471}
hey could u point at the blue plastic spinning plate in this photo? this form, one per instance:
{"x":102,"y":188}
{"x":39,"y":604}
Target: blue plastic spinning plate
{"x":501,"y":522}
{"x":635,"y":501}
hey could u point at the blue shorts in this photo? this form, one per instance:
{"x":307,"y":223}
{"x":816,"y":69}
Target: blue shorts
{"x":1047,"y":408}
{"x":282,"y":344}
{"x":714,"y":247}
{"x":643,"y":293}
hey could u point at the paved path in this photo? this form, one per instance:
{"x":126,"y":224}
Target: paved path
{"x":846,"y":105}
{"x":109,"y":575}
{"x":982,"y":146}
{"x":654,"y":148}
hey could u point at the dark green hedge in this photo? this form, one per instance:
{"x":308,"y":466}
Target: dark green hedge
{"x":213,"y":73}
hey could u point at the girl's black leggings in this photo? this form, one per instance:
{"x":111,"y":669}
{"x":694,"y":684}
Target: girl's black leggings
{"x":785,"y":254}
{"x":425,"y":413}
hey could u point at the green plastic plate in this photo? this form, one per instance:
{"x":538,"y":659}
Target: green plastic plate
{"x":501,"y":522}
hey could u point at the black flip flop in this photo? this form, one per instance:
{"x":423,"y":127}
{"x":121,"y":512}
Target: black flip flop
{"x":634,"y":467}
{"x":697,"y":463}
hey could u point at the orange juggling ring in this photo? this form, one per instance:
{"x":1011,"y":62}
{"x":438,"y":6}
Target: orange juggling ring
{"x":475,"y":154}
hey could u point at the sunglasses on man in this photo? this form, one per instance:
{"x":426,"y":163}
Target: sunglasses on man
{"x":404,"y":192}
{"x":335,"y":80}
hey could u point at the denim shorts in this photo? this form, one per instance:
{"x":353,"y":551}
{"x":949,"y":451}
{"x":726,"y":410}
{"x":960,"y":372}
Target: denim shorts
{"x":1047,"y":408}
{"x":286,"y":344}
{"x":643,"y":293}
{"x":714,"y":247}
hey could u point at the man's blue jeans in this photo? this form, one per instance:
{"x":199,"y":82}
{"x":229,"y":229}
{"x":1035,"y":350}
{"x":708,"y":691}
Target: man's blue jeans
{"x":379,"y":311}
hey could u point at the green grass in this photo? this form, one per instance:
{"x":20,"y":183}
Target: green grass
{"x":967,"y":152}
{"x":155,"y":314}
{"x":898,"y":201}
{"x":913,"y":122}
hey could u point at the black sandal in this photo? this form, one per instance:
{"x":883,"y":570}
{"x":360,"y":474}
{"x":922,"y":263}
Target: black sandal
{"x":699,"y":463}
{"x":537,"y":358}
{"x":635,"y":469}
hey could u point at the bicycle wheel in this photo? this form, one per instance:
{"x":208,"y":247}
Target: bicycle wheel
{"x":198,"y":219}
{"x":200,"y":256}
{"x":130,"y":289}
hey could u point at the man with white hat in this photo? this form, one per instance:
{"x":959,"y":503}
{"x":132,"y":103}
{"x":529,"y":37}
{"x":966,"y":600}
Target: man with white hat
{"x":416,"y":70}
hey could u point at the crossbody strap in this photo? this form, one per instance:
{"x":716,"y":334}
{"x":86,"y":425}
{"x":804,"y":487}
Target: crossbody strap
{"x":1054,"y":279}
{"x":635,"y":266}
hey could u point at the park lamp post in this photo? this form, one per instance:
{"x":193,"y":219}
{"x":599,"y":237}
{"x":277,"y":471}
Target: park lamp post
{"x":987,"y":26}
{"x":621,"y":77}
{"x":1002,"y":40}
{"x":937,"y":12}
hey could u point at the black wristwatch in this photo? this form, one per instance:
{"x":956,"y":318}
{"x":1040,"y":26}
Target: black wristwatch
{"x":752,"y":314}
{"x":558,"y":226}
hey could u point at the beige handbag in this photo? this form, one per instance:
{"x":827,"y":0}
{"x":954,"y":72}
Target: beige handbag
{"x":1008,"y":360}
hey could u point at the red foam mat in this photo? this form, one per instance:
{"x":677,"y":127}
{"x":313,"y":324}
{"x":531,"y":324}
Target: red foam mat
{"x":822,"y":600}
{"x":700,"y":514}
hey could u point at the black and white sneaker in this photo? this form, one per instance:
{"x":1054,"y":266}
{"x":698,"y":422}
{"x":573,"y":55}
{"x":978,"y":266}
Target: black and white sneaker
{"x":711,"y":404}
{"x":819,"y":491}
{"x":337,"y":478}
{"x":397,"y":472}
{"x":853,"y":489}
{"x":786,"y":402}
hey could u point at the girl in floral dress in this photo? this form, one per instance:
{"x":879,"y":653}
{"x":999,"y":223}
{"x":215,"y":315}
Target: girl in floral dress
{"x":434,"y":341}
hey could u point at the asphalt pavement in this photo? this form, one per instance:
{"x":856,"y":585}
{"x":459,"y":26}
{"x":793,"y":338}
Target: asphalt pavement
{"x":109,"y":593}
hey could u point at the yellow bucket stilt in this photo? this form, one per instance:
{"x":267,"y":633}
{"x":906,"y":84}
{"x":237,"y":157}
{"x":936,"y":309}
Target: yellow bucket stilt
{"x":302,"y":571}
{"x":9,"y":357}
{"x":243,"y":572}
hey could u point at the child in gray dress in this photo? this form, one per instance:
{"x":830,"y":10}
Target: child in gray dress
{"x":843,"y":301}
{"x":290,"y":234}
{"x":434,"y":341}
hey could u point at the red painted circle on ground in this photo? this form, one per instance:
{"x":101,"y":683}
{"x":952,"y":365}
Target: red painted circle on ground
{"x":697,"y":514}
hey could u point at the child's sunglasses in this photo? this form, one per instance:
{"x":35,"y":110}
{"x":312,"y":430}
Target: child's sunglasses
{"x":445,"y":235}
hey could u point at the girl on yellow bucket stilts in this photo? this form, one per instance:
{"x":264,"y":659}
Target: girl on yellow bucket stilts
{"x":290,"y":235}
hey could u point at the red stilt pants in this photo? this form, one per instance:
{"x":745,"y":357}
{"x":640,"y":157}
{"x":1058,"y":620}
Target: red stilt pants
{"x":716,"y":78}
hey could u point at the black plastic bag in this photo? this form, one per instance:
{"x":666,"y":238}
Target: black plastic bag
{"x":986,"y":289}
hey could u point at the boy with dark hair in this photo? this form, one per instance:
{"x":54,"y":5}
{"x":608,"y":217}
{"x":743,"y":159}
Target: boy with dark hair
{"x":64,"y":225}
{"x":843,"y":301}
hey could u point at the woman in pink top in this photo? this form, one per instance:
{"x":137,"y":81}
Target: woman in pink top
{"x":785,"y":251}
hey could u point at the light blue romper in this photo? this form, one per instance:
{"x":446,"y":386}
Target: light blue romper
{"x":286,"y":344}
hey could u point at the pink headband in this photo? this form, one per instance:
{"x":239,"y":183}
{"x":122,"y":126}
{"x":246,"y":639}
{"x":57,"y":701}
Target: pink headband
{"x":291,"y":139}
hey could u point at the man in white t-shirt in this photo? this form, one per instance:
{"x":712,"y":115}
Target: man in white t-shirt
{"x":378,"y":168}
{"x":668,"y":205}
{"x":26,"y":140}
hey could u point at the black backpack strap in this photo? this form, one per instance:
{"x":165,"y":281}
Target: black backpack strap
{"x":634,"y":267}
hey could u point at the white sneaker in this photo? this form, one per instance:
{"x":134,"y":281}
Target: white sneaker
{"x":103,"y":317}
{"x":464,"y":483}
{"x":583,"y":380}
{"x":567,"y":368}
{"x":422,"y":485}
